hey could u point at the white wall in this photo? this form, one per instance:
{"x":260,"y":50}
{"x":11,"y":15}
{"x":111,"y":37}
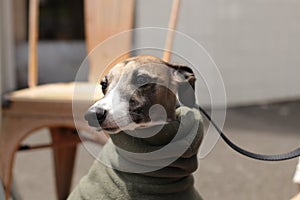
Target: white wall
{"x":255,"y":43}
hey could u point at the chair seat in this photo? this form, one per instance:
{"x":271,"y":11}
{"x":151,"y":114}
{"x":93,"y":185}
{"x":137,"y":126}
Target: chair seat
{"x":57,"y":92}
{"x":51,"y":99}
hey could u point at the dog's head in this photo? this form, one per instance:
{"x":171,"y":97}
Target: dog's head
{"x":134,"y":86}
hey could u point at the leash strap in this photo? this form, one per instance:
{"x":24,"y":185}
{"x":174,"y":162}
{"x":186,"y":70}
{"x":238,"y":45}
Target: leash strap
{"x":280,"y":157}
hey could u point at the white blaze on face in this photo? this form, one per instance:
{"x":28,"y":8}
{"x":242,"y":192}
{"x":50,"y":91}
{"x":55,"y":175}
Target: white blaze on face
{"x":117,"y":108}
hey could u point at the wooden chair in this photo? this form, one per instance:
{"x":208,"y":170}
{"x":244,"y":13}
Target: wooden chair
{"x":50,"y":105}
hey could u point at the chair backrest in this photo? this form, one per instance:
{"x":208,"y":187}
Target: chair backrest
{"x":33,"y":38}
{"x":103,"y":19}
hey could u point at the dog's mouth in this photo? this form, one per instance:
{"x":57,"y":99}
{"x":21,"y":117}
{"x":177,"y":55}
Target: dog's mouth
{"x":99,"y":127}
{"x":113,"y":126}
{"x":134,"y":119}
{"x":110,"y":129}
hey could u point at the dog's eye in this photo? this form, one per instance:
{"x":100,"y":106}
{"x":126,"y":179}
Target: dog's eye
{"x":103,"y":83}
{"x":142,"y":80}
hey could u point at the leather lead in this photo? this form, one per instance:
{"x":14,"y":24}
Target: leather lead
{"x":279,"y":157}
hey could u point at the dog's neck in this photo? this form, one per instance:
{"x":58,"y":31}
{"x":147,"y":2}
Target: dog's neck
{"x":179,"y":161}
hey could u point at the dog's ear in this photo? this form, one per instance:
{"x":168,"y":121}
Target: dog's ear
{"x":185,"y":78}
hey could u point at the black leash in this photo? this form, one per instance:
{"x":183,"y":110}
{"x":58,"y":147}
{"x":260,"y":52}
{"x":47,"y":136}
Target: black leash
{"x":286,"y":156}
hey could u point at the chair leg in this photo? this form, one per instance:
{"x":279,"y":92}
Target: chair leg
{"x":7,"y":159}
{"x":64,"y":159}
{"x":12,"y":131}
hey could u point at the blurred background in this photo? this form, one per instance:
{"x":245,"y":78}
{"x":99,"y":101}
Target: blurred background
{"x":255,"y":45}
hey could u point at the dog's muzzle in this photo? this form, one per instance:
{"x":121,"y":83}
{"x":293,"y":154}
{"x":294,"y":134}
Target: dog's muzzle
{"x":95,"y":116}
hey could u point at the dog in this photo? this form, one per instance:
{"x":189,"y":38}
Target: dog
{"x":132,"y":90}
{"x":149,"y":76}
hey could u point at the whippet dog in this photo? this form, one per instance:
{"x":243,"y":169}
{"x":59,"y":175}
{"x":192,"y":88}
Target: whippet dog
{"x":131,"y":89}
{"x":136,"y":84}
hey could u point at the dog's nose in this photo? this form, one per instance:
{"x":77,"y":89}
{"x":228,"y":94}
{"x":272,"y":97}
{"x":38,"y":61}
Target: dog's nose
{"x":95,"y":113}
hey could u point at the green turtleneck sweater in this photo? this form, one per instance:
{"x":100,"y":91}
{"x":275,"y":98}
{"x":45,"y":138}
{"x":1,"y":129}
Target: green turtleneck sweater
{"x":138,"y":165}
